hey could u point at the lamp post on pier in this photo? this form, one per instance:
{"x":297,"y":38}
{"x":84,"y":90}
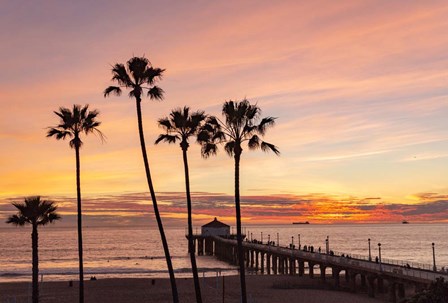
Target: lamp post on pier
{"x":327,"y":244}
{"x":298,"y":237}
{"x":379,"y":255}
{"x":292,"y":242}
{"x":278,"y":240}
{"x":370,"y":253}
{"x":251,"y":237}
{"x":269,"y":239}
{"x":261,"y":237}
{"x":434,"y":267}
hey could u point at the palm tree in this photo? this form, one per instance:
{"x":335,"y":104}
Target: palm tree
{"x":139,"y":75}
{"x":72,"y":124}
{"x":240,"y":125}
{"x":180,"y":126}
{"x":35,"y":212}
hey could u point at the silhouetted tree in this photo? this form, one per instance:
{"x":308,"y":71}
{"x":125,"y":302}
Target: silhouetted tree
{"x":34,"y":212}
{"x":72,"y":124}
{"x":138,"y":75}
{"x":180,"y":126}
{"x":240,"y":125}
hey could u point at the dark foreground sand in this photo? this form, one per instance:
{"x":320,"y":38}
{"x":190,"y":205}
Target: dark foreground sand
{"x":261,"y":289}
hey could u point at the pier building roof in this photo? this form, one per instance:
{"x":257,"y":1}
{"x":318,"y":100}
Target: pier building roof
{"x":215,"y":224}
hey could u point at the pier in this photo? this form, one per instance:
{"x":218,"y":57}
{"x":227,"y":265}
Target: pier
{"x":266,"y":258}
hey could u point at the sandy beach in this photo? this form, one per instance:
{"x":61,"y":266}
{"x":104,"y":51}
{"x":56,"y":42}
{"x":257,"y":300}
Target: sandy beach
{"x":262,"y":289}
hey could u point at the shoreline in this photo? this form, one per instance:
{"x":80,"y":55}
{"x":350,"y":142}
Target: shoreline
{"x":261,"y":288}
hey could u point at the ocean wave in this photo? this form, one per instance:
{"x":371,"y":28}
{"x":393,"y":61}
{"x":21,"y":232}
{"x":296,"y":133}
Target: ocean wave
{"x":117,"y":258}
{"x":113,"y":271}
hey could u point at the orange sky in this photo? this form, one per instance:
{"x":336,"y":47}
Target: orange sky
{"x":359,"y":88}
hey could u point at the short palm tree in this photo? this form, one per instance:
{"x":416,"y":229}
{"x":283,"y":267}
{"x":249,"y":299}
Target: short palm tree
{"x":240,"y":125}
{"x":35,"y":212}
{"x":72,"y":124}
{"x":180,"y":126}
{"x":139,"y":76}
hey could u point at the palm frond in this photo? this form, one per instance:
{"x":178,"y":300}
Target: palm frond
{"x":155,"y":93}
{"x":53,"y":217}
{"x":208,"y":149}
{"x":219,"y":137}
{"x":63,"y":113}
{"x":112,"y":89}
{"x":16,"y":220}
{"x":269,"y":147}
{"x":198,"y":117}
{"x":254,"y":142}
{"x":58,"y":133}
{"x":213,"y":121}
{"x":167,"y":138}
{"x":151,"y":75}
{"x":100,"y":134}
{"x":179,"y":117}
{"x":203,"y":136}
{"x":248,"y":130}
{"x":252,"y":111}
{"x":121,"y":76}
{"x":165,"y":124}
{"x":229,"y":147}
{"x":21,"y":207}
{"x":265,"y":123}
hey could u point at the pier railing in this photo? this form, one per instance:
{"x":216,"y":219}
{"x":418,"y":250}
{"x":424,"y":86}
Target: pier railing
{"x":394,"y":267}
{"x":407,"y":264}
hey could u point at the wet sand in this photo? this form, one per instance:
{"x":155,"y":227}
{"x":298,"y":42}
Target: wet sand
{"x":261,"y":289}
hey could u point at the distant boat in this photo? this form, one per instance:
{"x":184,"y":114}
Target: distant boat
{"x":306,"y":222}
{"x":405,"y":222}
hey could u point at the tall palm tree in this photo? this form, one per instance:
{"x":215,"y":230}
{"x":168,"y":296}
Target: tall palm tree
{"x":139,"y":76}
{"x":71,"y":125}
{"x":240,"y":125}
{"x":35,"y":212}
{"x":180,"y":126}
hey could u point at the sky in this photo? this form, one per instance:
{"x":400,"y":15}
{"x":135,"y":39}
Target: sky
{"x":359,"y":89}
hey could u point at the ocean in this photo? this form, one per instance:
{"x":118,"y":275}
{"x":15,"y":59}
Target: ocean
{"x":114,"y":252}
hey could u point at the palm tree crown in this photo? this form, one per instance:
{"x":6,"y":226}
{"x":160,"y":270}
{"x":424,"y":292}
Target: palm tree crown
{"x":34,"y":211}
{"x":240,"y":125}
{"x":73,"y":123}
{"x":138,"y":75}
{"x":180,"y":126}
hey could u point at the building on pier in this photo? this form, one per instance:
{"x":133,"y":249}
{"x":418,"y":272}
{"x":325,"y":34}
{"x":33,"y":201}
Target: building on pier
{"x":215,"y":228}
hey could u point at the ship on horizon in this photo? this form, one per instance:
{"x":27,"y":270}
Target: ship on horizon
{"x":306,"y":222}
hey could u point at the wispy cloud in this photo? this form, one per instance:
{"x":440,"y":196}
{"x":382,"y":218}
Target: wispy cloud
{"x":136,"y":208}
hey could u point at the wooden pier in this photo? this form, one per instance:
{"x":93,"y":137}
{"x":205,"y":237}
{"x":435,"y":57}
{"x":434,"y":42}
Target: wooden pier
{"x":275,"y":260}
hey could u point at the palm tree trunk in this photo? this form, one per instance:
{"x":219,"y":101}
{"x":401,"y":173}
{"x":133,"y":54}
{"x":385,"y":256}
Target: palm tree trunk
{"x":78,"y":192}
{"x":194,"y":269}
{"x":238,"y":228}
{"x":34,"y":241}
{"x":154,"y":203}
